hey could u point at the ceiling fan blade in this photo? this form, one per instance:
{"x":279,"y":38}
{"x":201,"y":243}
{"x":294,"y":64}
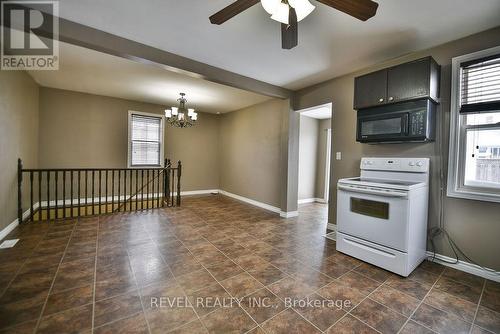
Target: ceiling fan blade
{"x":360,"y":9}
{"x":290,"y":32}
{"x":232,"y":10}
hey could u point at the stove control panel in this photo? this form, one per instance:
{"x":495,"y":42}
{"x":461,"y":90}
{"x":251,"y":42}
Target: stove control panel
{"x":417,"y":165}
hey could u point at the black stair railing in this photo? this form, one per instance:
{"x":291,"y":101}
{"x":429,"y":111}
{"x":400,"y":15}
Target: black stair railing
{"x":61,"y":193}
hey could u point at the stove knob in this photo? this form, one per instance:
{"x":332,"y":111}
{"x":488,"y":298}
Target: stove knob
{"x":420,"y":164}
{"x":411,"y":163}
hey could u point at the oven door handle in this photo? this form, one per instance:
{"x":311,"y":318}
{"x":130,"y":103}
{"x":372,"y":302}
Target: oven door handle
{"x":374,"y":192}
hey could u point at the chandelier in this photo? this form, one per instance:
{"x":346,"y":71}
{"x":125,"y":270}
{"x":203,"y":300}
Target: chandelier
{"x":181,"y":117}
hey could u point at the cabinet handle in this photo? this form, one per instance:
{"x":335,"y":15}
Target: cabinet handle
{"x":381,"y":100}
{"x":391,"y":99}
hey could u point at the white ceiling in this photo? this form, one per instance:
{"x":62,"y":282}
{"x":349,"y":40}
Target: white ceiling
{"x":321,"y":112}
{"x":330,"y":43}
{"x":89,"y":71}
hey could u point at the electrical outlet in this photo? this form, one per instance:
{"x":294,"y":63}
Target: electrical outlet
{"x":338,"y":156}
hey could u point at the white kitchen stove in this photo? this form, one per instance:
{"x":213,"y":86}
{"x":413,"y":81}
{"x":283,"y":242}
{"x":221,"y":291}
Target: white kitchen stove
{"x":382,"y":215}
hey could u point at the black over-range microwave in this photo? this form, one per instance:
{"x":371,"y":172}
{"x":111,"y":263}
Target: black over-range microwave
{"x":412,"y":121}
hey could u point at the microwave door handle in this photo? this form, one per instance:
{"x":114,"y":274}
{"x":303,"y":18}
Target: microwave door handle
{"x":406,"y":124}
{"x":373,"y":191}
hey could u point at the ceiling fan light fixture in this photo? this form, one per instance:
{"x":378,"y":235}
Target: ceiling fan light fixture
{"x":302,"y":7}
{"x":281,"y":13}
{"x":270,"y":5}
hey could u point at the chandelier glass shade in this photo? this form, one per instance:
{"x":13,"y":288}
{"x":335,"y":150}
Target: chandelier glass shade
{"x":181,"y":117}
{"x":280,"y":9}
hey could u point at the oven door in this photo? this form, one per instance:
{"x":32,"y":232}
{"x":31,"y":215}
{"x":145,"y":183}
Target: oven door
{"x":374,"y":214}
{"x":383,"y":127}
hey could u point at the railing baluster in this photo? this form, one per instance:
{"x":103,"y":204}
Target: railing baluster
{"x":56,"y":180}
{"x":79,"y":193}
{"x":72,"y":195}
{"x":158,"y":189}
{"x":86,"y":193}
{"x":93,"y":192}
{"x":119,"y":189}
{"x":39,"y":196}
{"x":125,"y":190}
{"x":147,"y":189}
{"x":64,"y":194}
{"x":31,"y":196}
{"x":136,"y":189}
{"x":113,"y":190}
{"x":19,"y":191}
{"x":100,"y":194}
{"x":130,"y":193}
{"x":179,"y":173}
{"x":142,"y":189}
{"x":106,"y":199}
{"x":48,"y":195}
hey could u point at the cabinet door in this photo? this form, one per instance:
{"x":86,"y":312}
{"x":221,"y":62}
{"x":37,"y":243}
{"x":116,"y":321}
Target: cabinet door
{"x":408,"y":81}
{"x":370,"y":90}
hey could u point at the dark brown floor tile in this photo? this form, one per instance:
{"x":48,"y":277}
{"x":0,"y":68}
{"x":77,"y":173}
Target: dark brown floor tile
{"x":289,"y":287}
{"x":423,"y":276}
{"x":488,"y":319}
{"x":194,"y":327}
{"x":196,"y":280}
{"x":319,"y":311}
{"x":209,"y":299}
{"x":162,"y":320}
{"x":313,"y":278}
{"x":289,"y":322}
{"x":379,"y":317}
{"x":412,"y":288}
{"x":359,"y":282}
{"x":224,"y":270}
{"x":338,"y":292}
{"x":464,"y":278}
{"x":131,"y":325}
{"x":491,"y":296}
{"x":70,"y":321}
{"x":69,"y":299}
{"x":74,"y":274}
{"x":241,"y":285}
{"x":395,"y":300}
{"x":440,"y":321}
{"x":217,"y":322}
{"x":267,"y":274}
{"x":332,"y":269}
{"x":350,"y":325}
{"x":262,"y":305}
{"x":114,"y":286}
{"x":24,"y":328}
{"x":20,"y":311}
{"x":432,"y":267}
{"x":413,"y":328}
{"x":479,"y":330}
{"x":345,"y":260}
{"x":451,"y":304}
{"x":459,"y":290}
{"x":373,"y":272}
{"x":115,"y":308}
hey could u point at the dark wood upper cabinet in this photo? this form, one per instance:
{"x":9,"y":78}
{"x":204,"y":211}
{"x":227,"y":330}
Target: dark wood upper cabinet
{"x":408,"y":81}
{"x":370,"y":90}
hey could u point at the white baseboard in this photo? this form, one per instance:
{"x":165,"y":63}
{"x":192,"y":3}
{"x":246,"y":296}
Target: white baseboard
{"x":199,"y":192}
{"x":466,"y":267}
{"x":331,"y":227}
{"x":9,"y":228}
{"x":251,"y":201}
{"x":289,"y":214}
{"x":311,"y":200}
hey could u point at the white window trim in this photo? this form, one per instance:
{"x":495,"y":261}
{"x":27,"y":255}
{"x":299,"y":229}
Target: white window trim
{"x":129,"y":142}
{"x":456,"y":150}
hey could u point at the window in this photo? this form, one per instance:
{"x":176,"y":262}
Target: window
{"x":145,"y":147}
{"x":474,"y":163}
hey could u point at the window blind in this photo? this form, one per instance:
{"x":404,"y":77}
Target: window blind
{"x":145,"y":140}
{"x":480,"y":85}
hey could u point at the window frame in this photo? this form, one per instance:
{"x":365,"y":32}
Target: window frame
{"x":129,"y":142}
{"x":457,"y":149}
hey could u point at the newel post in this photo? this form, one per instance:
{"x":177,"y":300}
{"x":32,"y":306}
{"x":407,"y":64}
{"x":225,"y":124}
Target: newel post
{"x":179,"y":172}
{"x":19,"y":194}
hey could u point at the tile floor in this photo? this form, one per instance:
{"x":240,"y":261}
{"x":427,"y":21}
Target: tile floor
{"x":176,"y":270}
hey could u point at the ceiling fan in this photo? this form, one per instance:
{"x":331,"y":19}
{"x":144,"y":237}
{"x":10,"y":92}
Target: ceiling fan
{"x":290,"y":12}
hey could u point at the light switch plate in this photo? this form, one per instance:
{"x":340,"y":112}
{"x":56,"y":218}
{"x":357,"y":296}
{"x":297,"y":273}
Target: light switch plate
{"x":9,"y":243}
{"x":338,"y":156}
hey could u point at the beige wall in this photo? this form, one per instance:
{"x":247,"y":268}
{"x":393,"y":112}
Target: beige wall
{"x":250,"y":151}
{"x":18,"y":136}
{"x":308,"y":156}
{"x":474,"y":225}
{"x":84,"y":130}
